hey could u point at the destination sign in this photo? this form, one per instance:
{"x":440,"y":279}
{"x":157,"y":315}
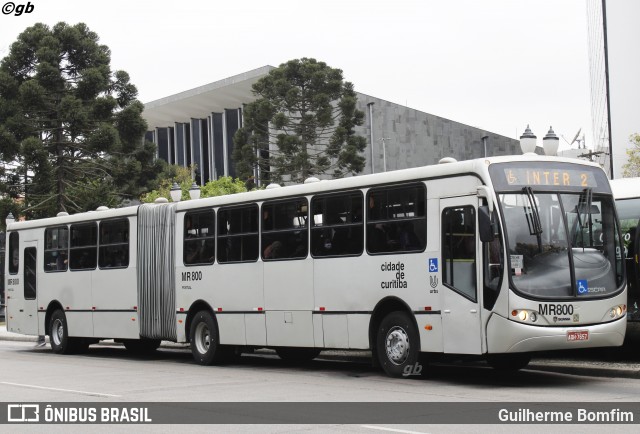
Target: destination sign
{"x":560,"y":178}
{"x":552,"y":175}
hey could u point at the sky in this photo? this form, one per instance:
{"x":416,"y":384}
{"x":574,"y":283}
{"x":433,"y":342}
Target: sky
{"x":493,"y":64}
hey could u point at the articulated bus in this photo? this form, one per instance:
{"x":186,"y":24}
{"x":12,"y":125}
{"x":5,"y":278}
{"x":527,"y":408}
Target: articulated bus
{"x":496,"y":258}
{"x":626,"y":192}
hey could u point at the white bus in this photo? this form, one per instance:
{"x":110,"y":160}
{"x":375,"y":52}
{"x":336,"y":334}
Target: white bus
{"x":497,"y":257}
{"x":626,"y":192}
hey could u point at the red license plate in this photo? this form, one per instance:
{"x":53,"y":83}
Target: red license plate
{"x":580,"y":335}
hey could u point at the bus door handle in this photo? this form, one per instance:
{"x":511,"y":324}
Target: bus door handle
{"x":447,"y":311}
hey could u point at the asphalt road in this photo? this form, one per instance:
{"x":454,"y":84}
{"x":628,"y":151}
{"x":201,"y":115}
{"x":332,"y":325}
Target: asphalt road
{"x":108,"y":373}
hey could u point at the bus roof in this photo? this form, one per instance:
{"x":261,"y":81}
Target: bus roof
{"x":478,"y":167}
{"x":625,"y":188}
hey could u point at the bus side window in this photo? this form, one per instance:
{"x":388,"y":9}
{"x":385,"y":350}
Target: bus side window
{"x":284,"y":229}
{"x":14,"y":254}
{"x":199,"y":237}
{"x":114,"y":244}
{"x":56,"y":249}
{"x":83,"y":252}
{"x":238,"y":234}
{"x":337,"y":226}
{"x":396,"y":219}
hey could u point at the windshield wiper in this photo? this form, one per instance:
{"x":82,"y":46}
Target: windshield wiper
{"x":532,"y":213}
{"x":585,"y":203}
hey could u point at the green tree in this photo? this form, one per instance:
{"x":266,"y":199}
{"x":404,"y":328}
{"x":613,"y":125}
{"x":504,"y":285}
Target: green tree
{"x":182,"y":177}
{"x":223,"y":186}
{"x":632,"y":167}
{"x":308,"y":113}
{"x":177,"y":174}
{"x":70,"y":125}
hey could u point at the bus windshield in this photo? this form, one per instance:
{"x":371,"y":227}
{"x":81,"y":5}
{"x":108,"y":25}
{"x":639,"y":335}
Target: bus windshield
{"x":562,"y":244}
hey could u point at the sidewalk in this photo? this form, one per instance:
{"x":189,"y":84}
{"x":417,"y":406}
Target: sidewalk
{"x":596,"y":362}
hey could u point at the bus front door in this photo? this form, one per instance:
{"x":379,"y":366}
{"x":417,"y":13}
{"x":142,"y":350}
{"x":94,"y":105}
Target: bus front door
{"x":461,"y":320}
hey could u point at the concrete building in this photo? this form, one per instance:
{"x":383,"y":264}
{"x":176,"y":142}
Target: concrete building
{"x":614,"y":64}
{"x":197,"y":127}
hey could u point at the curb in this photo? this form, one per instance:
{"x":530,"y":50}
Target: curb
{"x":587,"y":369}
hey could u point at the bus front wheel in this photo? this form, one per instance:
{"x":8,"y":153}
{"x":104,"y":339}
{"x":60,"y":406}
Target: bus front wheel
{"x":397,"y":345}
{"x":205,"y":340}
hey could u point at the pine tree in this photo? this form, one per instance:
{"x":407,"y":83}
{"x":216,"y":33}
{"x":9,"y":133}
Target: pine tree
{"x":302,"y":124}
{"x":70,"y":123}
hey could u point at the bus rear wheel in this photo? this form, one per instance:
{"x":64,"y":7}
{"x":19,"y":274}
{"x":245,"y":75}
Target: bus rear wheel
{"x":298,"y":355}
{"x":397,"y":344}
{"x":60,"y":341}
{"x":508,"y":362}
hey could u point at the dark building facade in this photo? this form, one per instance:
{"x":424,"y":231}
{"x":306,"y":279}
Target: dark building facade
{"x":196,"y":128}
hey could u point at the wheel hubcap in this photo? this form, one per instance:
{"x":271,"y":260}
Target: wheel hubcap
{"x":203,"y":338}
{"x":397,"y":345}
{"x":57,"y":332}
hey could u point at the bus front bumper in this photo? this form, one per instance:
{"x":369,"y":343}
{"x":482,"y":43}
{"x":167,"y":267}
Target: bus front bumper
{"x":506,"y":336}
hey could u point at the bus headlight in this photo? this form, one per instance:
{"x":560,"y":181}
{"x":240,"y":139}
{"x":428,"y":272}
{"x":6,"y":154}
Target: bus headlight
{"x":617,"y":311}
{"x":524,"y":315}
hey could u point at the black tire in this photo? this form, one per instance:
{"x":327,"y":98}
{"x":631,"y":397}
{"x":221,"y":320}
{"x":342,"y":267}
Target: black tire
{"x":297,"y":355}
{"x":141,"y":346}
{"x":398,"y":345}
{"x":205,"y":341}
{"x":508,"y":362}
{"x":59,"y":338}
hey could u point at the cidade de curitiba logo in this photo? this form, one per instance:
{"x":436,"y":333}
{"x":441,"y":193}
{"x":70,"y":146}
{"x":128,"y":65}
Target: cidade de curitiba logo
{"x":10,"y":8}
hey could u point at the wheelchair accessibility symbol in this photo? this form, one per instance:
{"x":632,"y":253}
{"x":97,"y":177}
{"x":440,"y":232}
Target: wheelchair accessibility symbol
{"x":583,"y":287}
{"x":433,"y":265}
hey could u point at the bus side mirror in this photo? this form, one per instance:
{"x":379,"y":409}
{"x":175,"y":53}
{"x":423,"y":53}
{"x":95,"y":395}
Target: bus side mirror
{"x":485,"y":226}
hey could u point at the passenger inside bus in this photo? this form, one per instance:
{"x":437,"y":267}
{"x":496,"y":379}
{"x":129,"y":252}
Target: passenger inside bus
{"x":376,"y":233}
{"x":273,"y":250}
{"x":61,"y":260}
